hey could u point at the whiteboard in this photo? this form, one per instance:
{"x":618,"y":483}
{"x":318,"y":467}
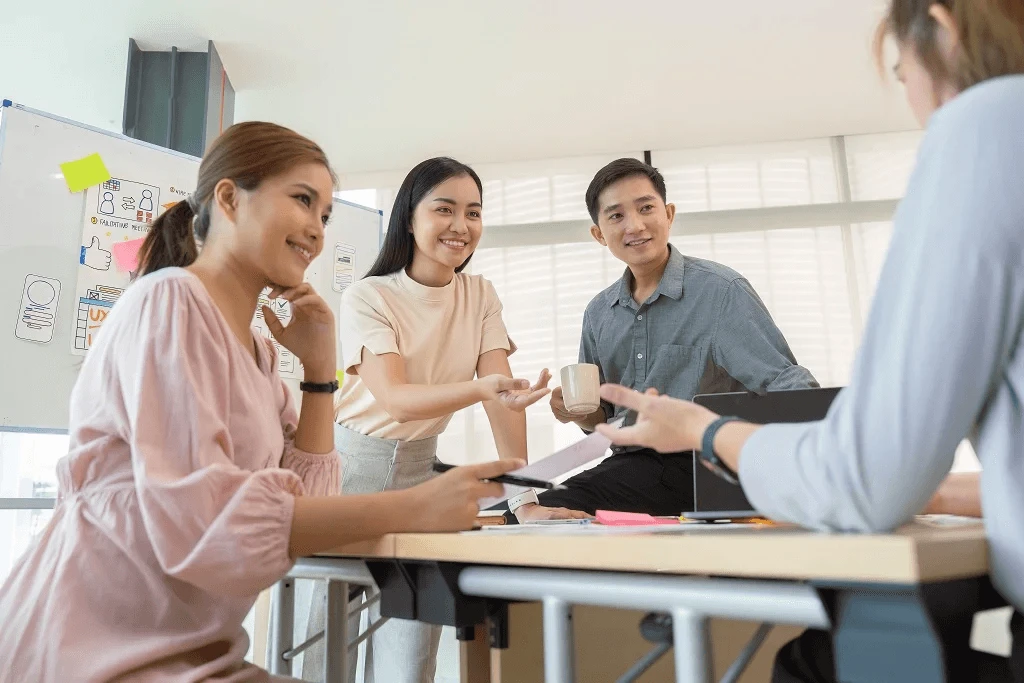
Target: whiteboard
{"x":43,"y":272}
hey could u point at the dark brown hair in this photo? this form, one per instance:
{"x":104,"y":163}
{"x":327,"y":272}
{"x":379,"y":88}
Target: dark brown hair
{"x":626,"y":167}
{"x":991,"y":38}
{"x":247,"y":153}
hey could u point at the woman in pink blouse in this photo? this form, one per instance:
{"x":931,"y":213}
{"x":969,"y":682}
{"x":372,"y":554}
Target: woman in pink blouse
{"x":192,"y":483}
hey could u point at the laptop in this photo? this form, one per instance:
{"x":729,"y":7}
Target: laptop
{"x":713,"y":497}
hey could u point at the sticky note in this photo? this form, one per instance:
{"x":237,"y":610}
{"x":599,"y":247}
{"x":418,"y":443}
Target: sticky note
{"x":85,"y":172}
{"x":340,"y":374}
{"x":126,"y":254}
{"x":611,"y":518}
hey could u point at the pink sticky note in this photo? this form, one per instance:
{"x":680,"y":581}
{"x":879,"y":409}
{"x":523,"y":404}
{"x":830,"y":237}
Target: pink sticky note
{"x":611,"y":518}
{"x":127,"y":254}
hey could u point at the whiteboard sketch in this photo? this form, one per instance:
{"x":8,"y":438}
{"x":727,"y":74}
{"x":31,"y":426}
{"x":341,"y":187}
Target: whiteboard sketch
{"x":38,"y":313}
{"x":287,"y":364}
{"x":128,"y":200}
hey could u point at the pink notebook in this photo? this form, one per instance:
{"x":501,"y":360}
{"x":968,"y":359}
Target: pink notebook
{"x":610,"y":518}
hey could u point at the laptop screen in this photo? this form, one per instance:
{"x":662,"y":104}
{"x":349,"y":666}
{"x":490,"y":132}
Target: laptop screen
{"x":712,"y":493}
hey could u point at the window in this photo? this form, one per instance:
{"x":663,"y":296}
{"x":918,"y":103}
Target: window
{"x":715,"y":179}
{"x":818,"y":323}
{"x":382,"y":199}
{"x":27,"y":470}
{"x":537,"y":192}
{"x":880,"y":165}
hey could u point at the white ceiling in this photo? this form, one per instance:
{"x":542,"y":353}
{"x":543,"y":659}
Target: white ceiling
{"x":382,"y":84}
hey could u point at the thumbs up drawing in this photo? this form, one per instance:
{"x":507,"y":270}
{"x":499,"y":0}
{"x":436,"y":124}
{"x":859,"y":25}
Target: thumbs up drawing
{"x":94,"y":257}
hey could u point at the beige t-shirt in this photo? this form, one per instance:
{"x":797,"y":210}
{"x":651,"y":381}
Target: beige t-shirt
{"x":440,"y":332}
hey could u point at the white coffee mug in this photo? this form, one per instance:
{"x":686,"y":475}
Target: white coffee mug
{"x":581,"y":385}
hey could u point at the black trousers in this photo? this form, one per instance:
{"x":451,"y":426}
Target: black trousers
{"x":809,"y":659}
{"x":641,"y":481}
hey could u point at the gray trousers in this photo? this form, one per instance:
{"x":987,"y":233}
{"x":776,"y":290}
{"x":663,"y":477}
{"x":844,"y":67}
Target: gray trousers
{"x":401,"y":651}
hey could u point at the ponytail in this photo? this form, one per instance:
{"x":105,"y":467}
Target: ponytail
{"x":170,"y":242}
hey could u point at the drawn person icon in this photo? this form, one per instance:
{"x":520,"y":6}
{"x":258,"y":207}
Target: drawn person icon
{"x":146,"y":203}
{"x":107,"y":205}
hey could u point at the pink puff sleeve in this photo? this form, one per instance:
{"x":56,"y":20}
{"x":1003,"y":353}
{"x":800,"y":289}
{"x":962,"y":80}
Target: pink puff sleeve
{"x":211,"y":523}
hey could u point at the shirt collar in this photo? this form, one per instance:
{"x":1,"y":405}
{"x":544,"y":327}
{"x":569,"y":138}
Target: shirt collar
{"x":671,"y":284}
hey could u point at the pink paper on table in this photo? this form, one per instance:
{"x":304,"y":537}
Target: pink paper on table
{"x":611,"y":518}
{"x":127,"y":255}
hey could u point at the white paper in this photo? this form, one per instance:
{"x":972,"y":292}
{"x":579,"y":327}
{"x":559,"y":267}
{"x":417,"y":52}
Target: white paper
{"x":568,"y":459}
{"x":561,"y":462}
{"x":38,"y":311}
{"x":118,"y":210}
{"x":344,"y":266}
{"x":287,"y":364}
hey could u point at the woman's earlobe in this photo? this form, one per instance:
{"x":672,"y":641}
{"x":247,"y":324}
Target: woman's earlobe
{"x":225,"y":195}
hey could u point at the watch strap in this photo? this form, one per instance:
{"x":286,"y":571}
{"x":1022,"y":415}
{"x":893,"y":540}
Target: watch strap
{"x":707,"y":449}
{"x":319,"y":387}
{"x":524,"y":498}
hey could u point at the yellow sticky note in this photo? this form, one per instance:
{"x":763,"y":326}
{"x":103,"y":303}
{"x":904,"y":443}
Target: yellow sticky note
{"x":340,"y":374}
{"x":85,"y":172}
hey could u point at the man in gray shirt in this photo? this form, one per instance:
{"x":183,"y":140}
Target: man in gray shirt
{"x":701,"y":328}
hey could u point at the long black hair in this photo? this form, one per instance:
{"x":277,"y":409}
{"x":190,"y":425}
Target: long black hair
{"x":397,"y":250}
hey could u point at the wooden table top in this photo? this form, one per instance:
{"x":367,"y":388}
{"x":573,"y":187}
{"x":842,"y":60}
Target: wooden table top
{"x":919,"y":552}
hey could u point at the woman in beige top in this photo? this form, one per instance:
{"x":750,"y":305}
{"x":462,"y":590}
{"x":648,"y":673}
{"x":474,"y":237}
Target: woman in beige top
{"x":421,"y":340}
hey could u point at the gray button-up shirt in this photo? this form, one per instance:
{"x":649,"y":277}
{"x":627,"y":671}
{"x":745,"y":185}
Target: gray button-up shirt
{"x":942,"y":357}
{"x":704,"y":330}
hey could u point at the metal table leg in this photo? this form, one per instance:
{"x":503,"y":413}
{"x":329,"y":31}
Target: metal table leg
{"x":558,"y":641}
{"x":282,"y":626}
{"x":692,"y":645}
{"x":691,"y":600}
{"x":336,"y":633}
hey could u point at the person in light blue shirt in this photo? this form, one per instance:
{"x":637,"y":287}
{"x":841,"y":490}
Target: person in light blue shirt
{"x":942,"y":357}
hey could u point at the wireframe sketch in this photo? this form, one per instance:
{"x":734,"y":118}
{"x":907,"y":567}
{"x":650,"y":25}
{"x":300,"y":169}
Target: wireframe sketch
{"x":107,"y":204}
{"x":93,"y":309}
{"x":38,"y":313}
{"x":94,"y":256}
{"x":287,"y":364}
{"x":344,"y":266}
{"x":129,"y":200}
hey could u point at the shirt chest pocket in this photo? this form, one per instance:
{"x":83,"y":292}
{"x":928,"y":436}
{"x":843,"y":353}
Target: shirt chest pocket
{"x":676,"y":370}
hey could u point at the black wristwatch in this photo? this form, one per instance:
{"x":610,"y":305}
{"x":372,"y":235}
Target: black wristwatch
{"x":319,"y":387}
{"x":707,"y":451}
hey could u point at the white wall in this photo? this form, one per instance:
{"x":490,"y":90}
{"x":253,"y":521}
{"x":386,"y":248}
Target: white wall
{"x":64,"y":69}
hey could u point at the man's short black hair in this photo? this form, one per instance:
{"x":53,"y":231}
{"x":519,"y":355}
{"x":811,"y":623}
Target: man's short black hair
{"x":616,"y":171}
